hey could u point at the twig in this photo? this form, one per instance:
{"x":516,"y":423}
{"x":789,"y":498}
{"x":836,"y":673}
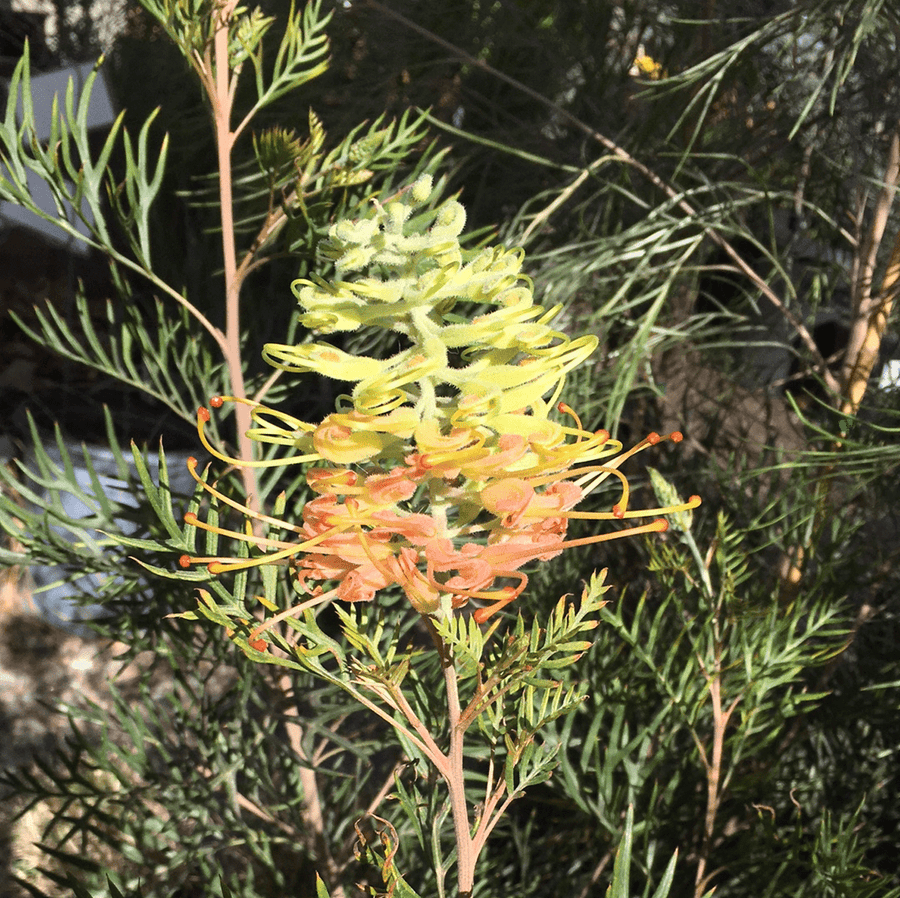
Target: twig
{"x":242,"y":801}
{"x":871,"y":311}
{"x":312,"y":800}
{"x":385,"y":789}
{"x":712,"y":763}
{"x":562,"y":198}
{"x":601,"y":865}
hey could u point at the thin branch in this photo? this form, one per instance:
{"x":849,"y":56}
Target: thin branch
{"x":314,"y":814}
{"x":385,"y":789}
{"x":170,"y":291}
{"x":871,"y":310}
{"x":430,"y":747}
{"x":484,"y":697}
{"x":491,"y":817}
{"x":602,"y":864}
{"x":562,"y":198}
{"x":713,"y":767}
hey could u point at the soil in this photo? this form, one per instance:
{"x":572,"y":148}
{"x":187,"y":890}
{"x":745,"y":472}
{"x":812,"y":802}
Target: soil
{"x":41,"y":669}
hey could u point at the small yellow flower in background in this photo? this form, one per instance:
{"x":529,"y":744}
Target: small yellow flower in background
{"x":451,"y":464}
{"x":647,"y":66}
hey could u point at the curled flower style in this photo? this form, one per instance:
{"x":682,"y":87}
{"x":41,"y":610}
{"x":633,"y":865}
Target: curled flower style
{"x":445,"y":472}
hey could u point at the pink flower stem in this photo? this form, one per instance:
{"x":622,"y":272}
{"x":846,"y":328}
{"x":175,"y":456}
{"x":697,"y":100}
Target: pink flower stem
{"x":220,"y":89}
{"x":454,"y":773}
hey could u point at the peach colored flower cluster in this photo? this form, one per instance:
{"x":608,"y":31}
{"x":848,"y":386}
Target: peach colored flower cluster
{"x":459,"y":518}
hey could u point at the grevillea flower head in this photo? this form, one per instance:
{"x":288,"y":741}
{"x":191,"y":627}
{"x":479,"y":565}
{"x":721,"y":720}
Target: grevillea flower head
{"x":450,"y":465}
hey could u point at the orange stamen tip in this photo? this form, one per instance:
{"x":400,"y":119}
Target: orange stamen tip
{"x":203,"y":414}
{"x":695,"y":500}
{"x":192,"y":462}
{"x":258,"y":644}
{"x":481,"y":615}
{"x":661,"y":525}
{"x":562,"y":407}
{"x":184,"y":561}
{"x":214,"y":567}
{"x":602,"y":435}
{"x":676,"y":436}
{"x":618,"y":511}
{"x":190,"y":517}
{"x":217,"y":402}
{"x":653,"y":438}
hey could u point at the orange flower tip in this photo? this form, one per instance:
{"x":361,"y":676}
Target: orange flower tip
{"x":653,"y":438}
{"x":618,"y":511}
{"x":695,"y":500}
{"x":184,"y":561}
{"x":602,"y":435}
{"x":562,"y":408}
{"x":258,"y":644}
{"x":190,"y":517}
{"x":203,"y":414}
{"x":217,"y":402}
{"x":661,"y":525}
{"x":676,"y":436}
{"x":214,"y":567}
{"x":191,"y":462}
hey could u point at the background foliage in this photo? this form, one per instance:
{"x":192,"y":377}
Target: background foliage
{"x":711,"y":216}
